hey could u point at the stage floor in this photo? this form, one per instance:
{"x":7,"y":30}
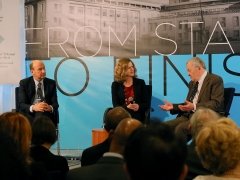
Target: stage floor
{"x":73,"y":156}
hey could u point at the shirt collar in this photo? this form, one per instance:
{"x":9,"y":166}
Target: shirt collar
{"x":36,"y":82}
{"x":113,"y":154}
{"x":200,"y":81}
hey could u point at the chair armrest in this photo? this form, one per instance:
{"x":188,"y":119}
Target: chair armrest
{"x":147,"y":116}
{"x":223,"y":113}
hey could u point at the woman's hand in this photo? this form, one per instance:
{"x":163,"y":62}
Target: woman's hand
{"x":134,"y":107}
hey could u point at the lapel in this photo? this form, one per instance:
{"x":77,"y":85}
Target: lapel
{"x":135,"y":88}
{"x":45,"y":85}
{"x":191,"y":87}
{"x":32,"y":89}
{"x":122,"y":92}
{"x":204,"y":85}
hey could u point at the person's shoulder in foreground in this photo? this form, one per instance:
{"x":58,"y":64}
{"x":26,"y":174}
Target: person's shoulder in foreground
{"x":110,"y":166}
{"x":211,"y":177}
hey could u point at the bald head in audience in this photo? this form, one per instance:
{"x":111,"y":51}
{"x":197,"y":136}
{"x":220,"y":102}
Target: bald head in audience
{"x":110,"y":165}
{"x":114,"y":116}
{"x":121,"y":134}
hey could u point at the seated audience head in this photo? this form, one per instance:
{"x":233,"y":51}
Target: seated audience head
{"x":114,"y":117}
{"x":120,"y":72}
{"x":201,"y":117}
{"x":155,"y":152}
{"x":218,"y":147}
{"x":121,"y":134}
{"x":18,"y":128}
{"x":12,"y":164}
{"x":43,"y":131}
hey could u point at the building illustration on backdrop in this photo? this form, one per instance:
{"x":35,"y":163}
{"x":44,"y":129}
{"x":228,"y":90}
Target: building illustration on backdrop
{"x":60,"y":28}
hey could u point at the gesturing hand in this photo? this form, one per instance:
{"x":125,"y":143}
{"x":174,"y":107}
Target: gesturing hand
{"x":167,"y":106}
{"x":187,"y":107}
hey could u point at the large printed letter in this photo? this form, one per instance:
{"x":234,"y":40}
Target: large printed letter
{"x":166,"y":59}
{"x":57,"y":43}
{"x":76,"y":37}
{"x":230,"y":71}
{"x":166,"y":39}
{"x":33,"y":42}
{"x":218,"y":43}
{"x":86,"y":81}
{"x":134,"y":27}
{"x":191,"y":32}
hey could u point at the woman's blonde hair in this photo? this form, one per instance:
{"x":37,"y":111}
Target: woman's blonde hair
{"x":121,"y":69}
{"x":18,"y":128}
{"x":218,"y":146}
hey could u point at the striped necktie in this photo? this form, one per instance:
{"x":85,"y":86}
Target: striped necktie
{"x":195,"y":88}
{"x":39,"y":91}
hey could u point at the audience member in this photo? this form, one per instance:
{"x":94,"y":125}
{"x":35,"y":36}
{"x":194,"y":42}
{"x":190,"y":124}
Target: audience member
{"x":128,"y":91}
{"x":37,"y":94}
{"x":155,"y":152}
{"x":110,"y":166}
{"x":218,"y":146}
{"x":43,"y":137}
{"x":92,"y":154}
{"x":201,"y":117}
{"x":18,"y":128}
{"x":205,"y":90}
{"x":12,"y":165}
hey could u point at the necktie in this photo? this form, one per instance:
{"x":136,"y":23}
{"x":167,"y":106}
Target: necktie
{"x":39,"y":91}
{"x":195,"y":88}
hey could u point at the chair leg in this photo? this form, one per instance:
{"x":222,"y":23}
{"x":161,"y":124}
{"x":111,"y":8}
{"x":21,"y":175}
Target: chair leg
{"x":58,"y":141}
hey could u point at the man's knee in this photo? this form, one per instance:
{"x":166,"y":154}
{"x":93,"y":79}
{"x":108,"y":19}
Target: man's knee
{"x":182,"y":130}
{"x":181,"y":127}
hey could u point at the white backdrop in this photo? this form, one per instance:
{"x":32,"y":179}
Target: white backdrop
{"x":12,"y":50}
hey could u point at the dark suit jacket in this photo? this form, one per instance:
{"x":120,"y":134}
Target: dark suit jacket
{"x":194,"y":164}
{"x":107,"y":168}
{"x":51,"y":161}
{"x":140,"y":96}
{"x":210,"y":96}
{"x":92,"y":154}
{"x":38,"y":171}
{"x":27,"y":93}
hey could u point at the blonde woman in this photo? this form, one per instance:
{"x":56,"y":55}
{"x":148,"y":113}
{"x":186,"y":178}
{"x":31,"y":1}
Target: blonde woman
{"x":218,"y":147}
{"x":129,"y":91}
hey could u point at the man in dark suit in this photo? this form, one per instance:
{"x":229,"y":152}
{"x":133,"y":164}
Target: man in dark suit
{"x":37,"y":94}
{"x":110,"y":166}
{"x":155,"y":152}
{"x":197,"y":121}
{"x":92,"y":154}
{"x":205,"y":90}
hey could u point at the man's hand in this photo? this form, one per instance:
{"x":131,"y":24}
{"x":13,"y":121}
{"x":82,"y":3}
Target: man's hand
{"x":187,"y":107}
{"x":46,"y":107}
{"x":167,"y":106}
{"x":41,"y":107}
